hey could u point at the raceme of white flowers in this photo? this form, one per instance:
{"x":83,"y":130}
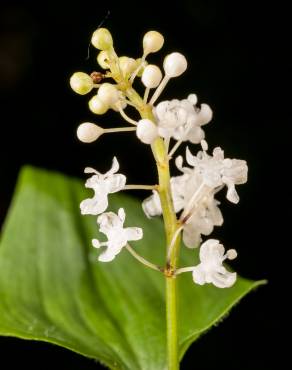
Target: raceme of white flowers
{"x":195,"y":186}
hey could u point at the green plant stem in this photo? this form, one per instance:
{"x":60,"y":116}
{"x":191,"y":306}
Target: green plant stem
{"x":170,"y":223}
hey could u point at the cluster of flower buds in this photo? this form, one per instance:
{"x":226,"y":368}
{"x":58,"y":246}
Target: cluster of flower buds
{"x":193,"y":192}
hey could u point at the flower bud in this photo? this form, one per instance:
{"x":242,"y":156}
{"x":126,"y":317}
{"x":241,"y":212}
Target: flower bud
{"x":174,"y":64}
{"x":151,"y":76}
{"x":152,"y":42}
{"x":103,"y":60}
{"x":97,"y":106}
{"x":127,"y":65}
{"x":88,"y":132}
{"x":81,"y":83}
{"x":146,"y":131}
{"x":102,"y":39}
{"x":108,"y":93}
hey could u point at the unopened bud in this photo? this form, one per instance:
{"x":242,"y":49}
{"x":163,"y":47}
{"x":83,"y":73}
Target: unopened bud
{"x":108,"y":93}
{"x":152,"y":42}
{"x":151,"y":76}
{"x":97,"y":106}
{"x":81,"y":83}
{"x":146,"y":131}
{"x":88,"y":132}
{"x":174,"y":65}
{"x":102,"y":39}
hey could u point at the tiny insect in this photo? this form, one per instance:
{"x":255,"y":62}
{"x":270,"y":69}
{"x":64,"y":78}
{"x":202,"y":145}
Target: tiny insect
{"x":97,"y":77}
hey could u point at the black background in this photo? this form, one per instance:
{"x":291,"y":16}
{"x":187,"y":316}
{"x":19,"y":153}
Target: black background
{"x":235,"y":52}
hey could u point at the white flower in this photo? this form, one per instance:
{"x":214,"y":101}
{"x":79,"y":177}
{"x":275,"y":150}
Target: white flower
{"x":205,"y":217}
{"x":102,"y":184}
{"x":211,"y":269}
{"x":182,"y":120}
{"x":216,"y":171}
{"x":111,"y":225}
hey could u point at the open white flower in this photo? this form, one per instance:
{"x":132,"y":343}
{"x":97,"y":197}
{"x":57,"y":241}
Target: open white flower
{"x":202,"y":222}
{"x":102,"y":184}
{"x":211,"y":269}
{"x":216,"y":171}
{"x":182,"y":120}
{"x":112,"y":226}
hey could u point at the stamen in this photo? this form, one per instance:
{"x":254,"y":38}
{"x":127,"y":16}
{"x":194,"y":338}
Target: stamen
{"x":189,"y":209}
{"x":174,"y":148}
{"x":204,"y":145}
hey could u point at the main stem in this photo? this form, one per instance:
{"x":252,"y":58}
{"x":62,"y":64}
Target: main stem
{"x":170,"y":224}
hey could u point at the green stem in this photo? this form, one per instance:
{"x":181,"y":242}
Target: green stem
{"x":171,"y":324}
{"x":170,"y":223}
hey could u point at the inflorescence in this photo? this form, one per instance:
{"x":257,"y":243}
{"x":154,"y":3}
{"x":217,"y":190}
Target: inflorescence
{"x":178,"y":121}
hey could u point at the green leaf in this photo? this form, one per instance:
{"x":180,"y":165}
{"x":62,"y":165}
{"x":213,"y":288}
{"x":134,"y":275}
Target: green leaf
{"x":52,"y":288}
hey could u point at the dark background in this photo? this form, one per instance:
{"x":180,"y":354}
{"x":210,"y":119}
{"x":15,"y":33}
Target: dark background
{"x":235,"y":52}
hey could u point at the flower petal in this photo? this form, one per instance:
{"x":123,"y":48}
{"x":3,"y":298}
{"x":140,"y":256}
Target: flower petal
{"x":115,"y":183}
{"x":95,"y":205}
{"x":199,"y":275}
{"x":133,"y":233}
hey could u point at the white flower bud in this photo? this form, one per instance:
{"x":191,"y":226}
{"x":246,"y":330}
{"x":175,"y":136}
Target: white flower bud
{"x":146,"y":131}
{"x":152,"y":42}
{"x":151,"y":76}
{"x":88,"y":132}
{"x":97,"y":106}
{"x":174,"y":64}
{"x":127,"y":65}
{"x":108,"y":93}
{"x":102,"y":39}
{"x":81,"y":83}
{"x":103,"y":60}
